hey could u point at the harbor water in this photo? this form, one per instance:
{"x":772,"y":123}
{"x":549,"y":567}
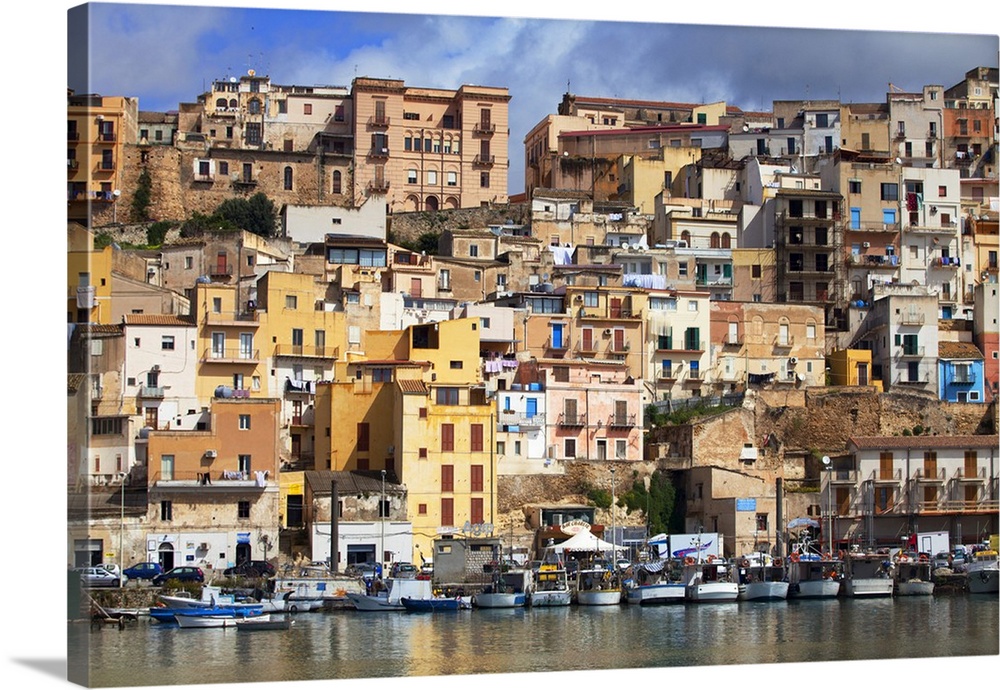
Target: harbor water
{"x":349,"y":644}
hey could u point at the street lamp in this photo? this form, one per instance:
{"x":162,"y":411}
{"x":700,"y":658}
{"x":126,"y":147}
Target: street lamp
{"x":829,"y":502}
{"x":121,"y":533}
{"x":614,"y":549}
{"x":381,"y":515}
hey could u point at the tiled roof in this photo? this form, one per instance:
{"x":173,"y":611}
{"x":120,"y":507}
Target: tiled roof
{"x":74,"y":382}
{"x":919,"y":442}
{"x":412,"y":387}
{"x":949,"y":350}
{"x":99,"y":328}
{"x":157,"y":320}
{"x":355,"y":482}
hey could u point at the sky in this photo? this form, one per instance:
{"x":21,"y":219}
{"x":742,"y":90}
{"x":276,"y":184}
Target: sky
{"x":165,"y":60}
{"x":168,"y":54}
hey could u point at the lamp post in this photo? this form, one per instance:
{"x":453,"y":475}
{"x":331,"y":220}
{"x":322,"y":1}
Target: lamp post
{"x":121,"y":533}
{"x":829,"y":502}
{"x":381,"y":515}
{"x":614,"y":550}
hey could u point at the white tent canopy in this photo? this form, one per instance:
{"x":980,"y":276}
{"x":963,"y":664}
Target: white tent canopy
{"x":585,"y":541}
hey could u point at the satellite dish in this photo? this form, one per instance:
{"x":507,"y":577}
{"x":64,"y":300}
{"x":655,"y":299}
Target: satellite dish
{"x":251,"y":72}
{"x":232,"y":80}
{"x":117,"y":192}
{"x":625,"y":246}
{"x":899,"y":161}
{"x":826,"y":459}
{"x":746,"y":127}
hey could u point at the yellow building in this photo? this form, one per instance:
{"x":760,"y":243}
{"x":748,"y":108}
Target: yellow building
{"x":88,"y":278}
{"x":851,"y":368}
{"x":98,"y":128}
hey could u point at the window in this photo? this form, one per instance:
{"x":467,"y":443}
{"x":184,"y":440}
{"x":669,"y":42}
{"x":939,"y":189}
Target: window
{"x":307,"y":109}
{"x":476,"y":439}
{"x":446,"y":396}
{"x":484,"y":180}
{"x":621,"y":448}
{"x":890,"y":191}
{"x":244,"y":422}
{"x":167,"y":467}
{"x":447,"y":511}
{"x":337,"y":185}
{"x":854,"y":186}
{"x":291,"y":302}
{"x":473,"y":250}
{"x":411,"y":176}
{"x":244,"y":464}
{"x":762,"y":522}
{"x":447,"y":478}
{"x":432,"y":177}
{"x":243,"y":510}
{"x":569,"y":448}
{"x":476,"y":511}
{"x":288,"y":177}
{"x":422,"y":509}
{"x":107,"y":426}
{"x":942,"y":191}
{"x":810,"y":331}
{"x":166,"y":510}
{"x":476,"y":478}
{"x":455,"y":364}
{"x":254,"y":136}
{"x":452,"y":179}
{"x":447,"y":437}
{"x":363,"y":437}
{"x":167,"y":342}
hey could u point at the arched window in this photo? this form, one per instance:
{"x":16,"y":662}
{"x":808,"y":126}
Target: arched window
{"x":727,"y":241}
{"x":288,"y":177}
{"x":431,"y":204}
{"x":714,"y":242}
{"x":220,"y":103}
{"x":686,"y":237}
{"x":337,"y":189}
{"x":233,"y":103}
{"x":253,"y":107}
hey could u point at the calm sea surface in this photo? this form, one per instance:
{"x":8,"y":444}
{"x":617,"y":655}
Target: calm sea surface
{"x":349,"y":644}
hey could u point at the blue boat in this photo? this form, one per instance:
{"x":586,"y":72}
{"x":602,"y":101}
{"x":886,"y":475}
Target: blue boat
{"x":431,"y":605}
{"x":166,"y":614}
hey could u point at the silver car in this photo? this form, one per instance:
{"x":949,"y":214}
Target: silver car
{"x":99,"y":577}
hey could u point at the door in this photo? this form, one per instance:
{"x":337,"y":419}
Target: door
{"x":165,"y":556}
{"x":557,"y":335}
{"x":855,"y":218}
{"x":218,"y":345}
{"x":862,"y":373}
{"x":246,"y":346}
{"x":616,"y":307}
{"x":619,"y":340}
{"x":531,"y":407}
{"x":885,"y":466}
{"x":970,"y":468}
{"x":734,"y":337}
{"x":242,"y":554}
{"x":588,"y":339}
{"x":602,"y":449}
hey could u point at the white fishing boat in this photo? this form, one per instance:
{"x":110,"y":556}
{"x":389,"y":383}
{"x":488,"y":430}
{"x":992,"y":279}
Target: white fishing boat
{"x":708,"y":580}
{"x":551,"y":586}
{"x":508,"y":590}
{"x":868,"y":575}
{"x":655,"y":582}
{"x":762,"y":578}
{"x":389,"y":599}
{"x":222,"y":618}
{"x":315,"y":591}
{"x":913,"y":576}
{"x":983,"y":573}
{"x":598,"y":584}
{"x":813,"y":575}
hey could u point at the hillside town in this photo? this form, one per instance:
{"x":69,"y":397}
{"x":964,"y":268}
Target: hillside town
{"x":692,"y":318}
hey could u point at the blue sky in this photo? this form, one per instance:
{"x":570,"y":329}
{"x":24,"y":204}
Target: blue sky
{"x":167,"y":54}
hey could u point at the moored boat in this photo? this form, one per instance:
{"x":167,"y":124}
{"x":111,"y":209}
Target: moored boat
{"x":762,"y":578}
{"x":913,"y":576}
{"x":598,"y":584}
{"x":220,"y":617}
{"x":814,"y":576}
{"x":264,"y":622}
{"x":433,"y":604}
{"x":508,"y":590}
{"x":389,"y":598}
{"x":655,"y":582}
{"x":708,"y":580}
{"x":868,"y":575}
{"x":983,"y":573}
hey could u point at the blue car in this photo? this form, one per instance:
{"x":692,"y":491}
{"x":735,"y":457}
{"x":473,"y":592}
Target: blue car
{"x":143,"y":571}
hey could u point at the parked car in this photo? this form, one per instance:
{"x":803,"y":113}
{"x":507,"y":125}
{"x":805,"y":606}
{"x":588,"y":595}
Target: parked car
{"x":96,"y":576}
{"x":250,"y":569}
{"x":403,"y":571}
{"x":942,"y":560}
{"x":958,"y":559}
{"x":111,"y":568}
{"x":143,"y":571}
{"x":184,"y":573}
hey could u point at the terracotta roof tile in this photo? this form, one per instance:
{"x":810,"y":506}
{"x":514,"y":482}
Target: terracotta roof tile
{"x":918,"y":442}
{"x":157,"y":320}
{"x":412,"y":387}
{"x":949,"y":350}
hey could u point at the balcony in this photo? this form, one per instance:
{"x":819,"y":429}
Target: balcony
{"x":485,"y":161}
{"x":921,"y":380}
{"x":73,"y":135}
{"x":299,"y":387}
{"x":561,"y":346}
{"x":72,"y":163}
{"x":108,"y":137}
{"x":310,"y":351}
{"x":948,"y":229}
{"x":378,"y":186}
{"x":784,"y":342}
{"x":621,"y":421}
{"x":572,"y":420}
{"x":874,"y":261}
{"x":718,"y":281}
{"x":732,"y":340}
{"x":230,"y":318}
{"x":204,"y":177}
{"x":887,"y":476}
{"x":910,"y":352}
{"x":230,"y":356}
{"x":951,"y":262}
{"x":929,"y":476}
{"x":665,"y":375}
{"x":695,"y":377}
{"x":873,"y":226}
{"x":963,"y":474}
{"x":378,"y":121}
{"x":212,"y":480}
{"x":586,"y":346}
{"x":911,"y":319}
{"x":151,"y":392}
{"x":520,"y":420}
{"x":619,"y":347}
{"x":247,"y":182}
{"x":689,"y":346}
{"x":900,"y":134}
{"x":378,"y":153}
{"x":843,"y":477}
{"x":484,"y":128}
{"x":104,"y":167}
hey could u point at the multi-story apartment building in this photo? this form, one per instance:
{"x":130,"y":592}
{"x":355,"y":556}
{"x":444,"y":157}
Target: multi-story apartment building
{"x":99,"y":127}
{"x":677,"y":325}
{"x":916,"y":125}
{"x":429,"y":149}
{"x":157,"y":129}
{"x":970,"y":125}
{"x":960,"y":373}
{"x":864,"y":128}
{"x":986,"y":334}
{"x":213,"y":488}
{"x":886,"y":487}
{"x":901,"y":331}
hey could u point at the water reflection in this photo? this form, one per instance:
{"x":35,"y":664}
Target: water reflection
{"x":353,"y":645}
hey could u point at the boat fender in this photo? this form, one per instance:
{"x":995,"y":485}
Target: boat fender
{"x":745,"y":563}
{"x":923,"y":558}
{"x":711,"y":559}
{"x":778,"y":562}
{"x":689,"y":561}
{"x":293,"y":609}
{"x":794,"y":558}
{"x":840,"y":554}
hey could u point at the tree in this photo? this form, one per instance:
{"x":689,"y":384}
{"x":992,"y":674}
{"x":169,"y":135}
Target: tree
{"x":658,"y":503}
{"x":256,"y":214}
{"x":143,"y":196}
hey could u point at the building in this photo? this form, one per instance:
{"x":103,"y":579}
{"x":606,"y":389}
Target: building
{"x":960,"y":373}
{"x":99,"y":128}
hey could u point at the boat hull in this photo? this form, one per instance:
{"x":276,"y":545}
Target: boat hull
{"x":868,"y":587}
{"x":713,"y":592}
{"x":562,"y":597}
{"x":984,"y":581}
{"x":431,"y":605}
{"x":815,"y":589}
{"x":367,"y":602}
{"x":765,"y":591}
{"x":257,"y":623}
{"x":599,"y":597}
{"x":186,"y":620}
{"x":499,"y":600}
{"x":657,"y":594}
{"x":914,"y":588}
